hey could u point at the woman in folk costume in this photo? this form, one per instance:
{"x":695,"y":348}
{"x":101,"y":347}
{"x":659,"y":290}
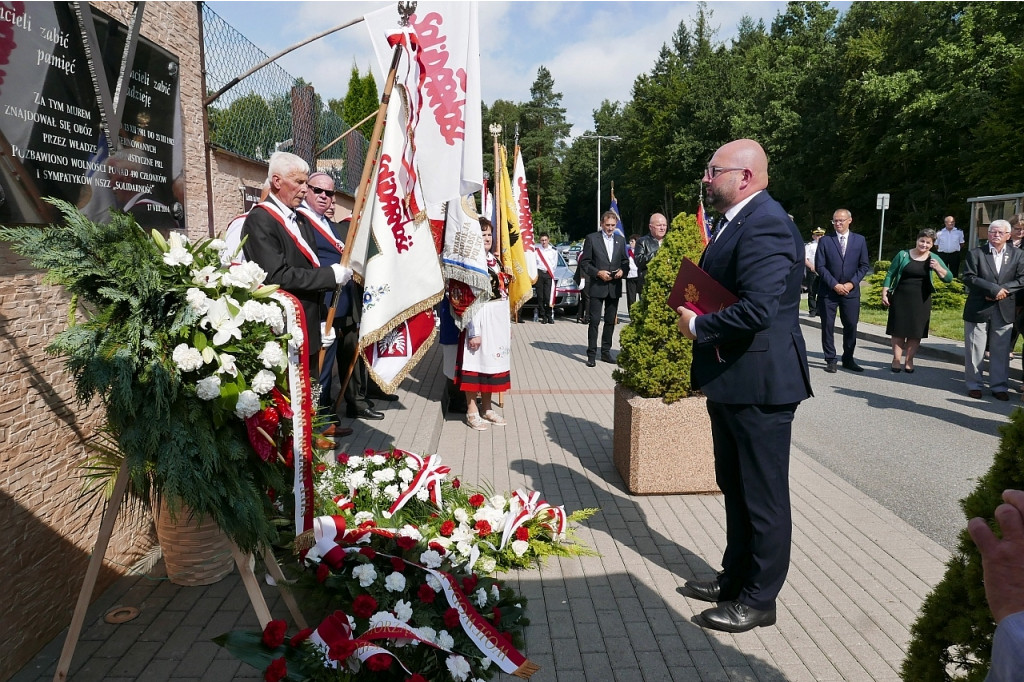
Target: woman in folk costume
{"x":486,"y":345}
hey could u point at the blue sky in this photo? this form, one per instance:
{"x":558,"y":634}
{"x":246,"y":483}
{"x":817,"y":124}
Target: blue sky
{"x":594,"y":50}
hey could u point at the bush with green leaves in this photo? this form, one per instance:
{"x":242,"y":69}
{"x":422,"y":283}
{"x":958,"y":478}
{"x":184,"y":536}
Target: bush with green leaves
{"x":655,"y":358}
{"x":952,"y":637}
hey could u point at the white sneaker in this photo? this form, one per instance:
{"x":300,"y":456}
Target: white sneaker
{"x":476,"y":422}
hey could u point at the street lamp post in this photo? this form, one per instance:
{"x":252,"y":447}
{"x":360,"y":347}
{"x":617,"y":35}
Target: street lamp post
{"x":610,"y":138}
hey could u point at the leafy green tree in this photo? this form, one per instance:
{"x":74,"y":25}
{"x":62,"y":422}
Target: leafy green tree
{"x":543,"y":131}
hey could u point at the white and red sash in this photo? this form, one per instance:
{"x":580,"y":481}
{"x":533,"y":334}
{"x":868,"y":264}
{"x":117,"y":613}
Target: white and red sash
{"x":292,"y":230}
{"x":326,"y":233}
{"x":541,"y":258}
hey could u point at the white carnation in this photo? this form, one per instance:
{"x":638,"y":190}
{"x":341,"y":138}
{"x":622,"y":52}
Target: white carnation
{"x":481,"y":598}
{"x":395,"y":582}
{"x":356,"y":480}
{"x":384,"y":475}
{"x":272,"y":356}
{"x":406,"y":475}
{"x":363,"y":516}
{"x":187,"y":358}
{"x":208,"y":388}
{"x":433,"y":582}
{"x":355,"y":461}
{"x":295,"y":343}
{"x":495,"y":592}
{"x":254,"y":311}
{"x":498,"y":502}
{"x":461,"y":515}
{"x":422,"y":494}
{"x":520,"y":547}
{"x":248,"y":404}
{"x":197,"y":300}
{"x":381,"y":618}
{"x":430,"y":559}
{"x":217,"y":245}
{"x":426,"y":632}
{"x":403,"y":610}
{"x":392,"y":492}
{"x":247,"y":275}
{"x":486,"y":564}
{"x":410,"y":532}
{"x":263,"y":381}
{"x":378,"y":459}
{"x":493,"y":516}
{"x":463,"y":533}
{"x":411,"y":463}
{"x":275,"y":318}
{"x":365,"y":574}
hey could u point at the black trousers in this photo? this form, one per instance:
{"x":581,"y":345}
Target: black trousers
{"x":952,"y":260}
{"x":544,"y":285}
{"x":611,"y":309}
{"x":811,"y":281}
{"x":849,"y":314}
{"x":632,"y":291}
{"x":752,"y":445}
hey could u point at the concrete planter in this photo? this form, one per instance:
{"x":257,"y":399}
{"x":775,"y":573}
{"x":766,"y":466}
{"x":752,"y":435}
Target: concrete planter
{"x":663,"y":449}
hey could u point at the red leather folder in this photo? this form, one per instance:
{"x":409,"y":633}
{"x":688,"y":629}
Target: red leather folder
{"x":697,"y":291}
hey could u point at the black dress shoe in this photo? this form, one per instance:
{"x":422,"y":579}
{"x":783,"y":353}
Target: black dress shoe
{"x":830,"y":366}
{"x":732,"y":616}
{"x":386,"y":397}
{"x":1001,"y":395}
{"x":852,"y":366}
{"x":607,"y":357}
{"x":706,"y":591}
{"x":368,"y":413}
{"x":591,"y":362}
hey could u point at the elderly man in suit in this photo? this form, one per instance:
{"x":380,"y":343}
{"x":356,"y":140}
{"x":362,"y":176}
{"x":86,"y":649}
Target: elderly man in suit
{"x":283,"y":243}
{"x":750,"y":361}
{"x":604,"y":261}
{"x":841,"y":262}
{"x":992,"y":273}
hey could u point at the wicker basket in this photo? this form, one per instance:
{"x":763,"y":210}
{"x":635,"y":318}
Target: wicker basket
{"x":195,"y":553}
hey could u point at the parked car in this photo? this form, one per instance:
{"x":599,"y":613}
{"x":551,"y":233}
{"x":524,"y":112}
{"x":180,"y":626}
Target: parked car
{"x":567,"y":294}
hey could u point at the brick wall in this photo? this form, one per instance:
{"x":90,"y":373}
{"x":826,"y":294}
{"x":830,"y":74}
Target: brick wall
{"x":49,"y":526}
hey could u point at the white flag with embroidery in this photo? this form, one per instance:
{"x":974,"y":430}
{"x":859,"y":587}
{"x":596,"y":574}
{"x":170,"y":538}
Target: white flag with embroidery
{"x":522,"y":200}
{"x":401,"y":272}
{"x":444,"y":90}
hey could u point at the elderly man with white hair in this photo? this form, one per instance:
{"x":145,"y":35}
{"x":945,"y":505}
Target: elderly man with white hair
{"x":282,"y":242}
{"x":992,"y":274}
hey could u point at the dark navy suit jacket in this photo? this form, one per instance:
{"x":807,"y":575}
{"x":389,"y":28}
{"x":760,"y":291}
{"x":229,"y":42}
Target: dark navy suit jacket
{"x":759,"y":258}
{"x":834,"y":268}
{"x":328,"y":253}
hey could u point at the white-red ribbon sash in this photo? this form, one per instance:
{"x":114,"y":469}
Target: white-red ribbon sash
{"x":291,"y":229}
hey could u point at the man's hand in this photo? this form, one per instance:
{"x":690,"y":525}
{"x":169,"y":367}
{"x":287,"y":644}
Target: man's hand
{"x":1003,"y":293}
{"x":618,"y":274}
{"x":685,"y":315}
{"x":604,"y":275}
{"x":1002,"y":560}
{"x":839,"y":289}
{"x":474,"y":343}
{"x":342,"y":275}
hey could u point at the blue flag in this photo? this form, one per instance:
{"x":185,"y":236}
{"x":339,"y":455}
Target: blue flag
{"x":614,"y":208}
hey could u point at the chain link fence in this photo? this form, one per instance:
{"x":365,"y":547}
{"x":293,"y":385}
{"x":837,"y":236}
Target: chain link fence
{"x":271,"y":109}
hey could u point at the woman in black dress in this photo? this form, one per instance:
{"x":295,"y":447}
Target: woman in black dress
{"x":907,"y":292}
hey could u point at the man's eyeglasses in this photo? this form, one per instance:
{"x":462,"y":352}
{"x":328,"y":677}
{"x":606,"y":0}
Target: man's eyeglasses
{"x":713,"y":172}
{"x":321,"y":190}
{"x":840,"y":222}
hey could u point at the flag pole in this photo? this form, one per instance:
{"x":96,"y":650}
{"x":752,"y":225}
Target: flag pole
{"x":405,"y":10}
{"x":495,"y":129}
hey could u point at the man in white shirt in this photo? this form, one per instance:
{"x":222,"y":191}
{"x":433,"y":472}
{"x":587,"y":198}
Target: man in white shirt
{"x":547,"y":261}
{"x":810,"y":274}
{"x":949,"y":241}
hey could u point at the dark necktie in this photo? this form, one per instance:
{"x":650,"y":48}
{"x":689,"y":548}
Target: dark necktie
{"x":842,"y":246}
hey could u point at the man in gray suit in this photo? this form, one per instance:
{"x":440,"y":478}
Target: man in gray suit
{"x":992,"y":273}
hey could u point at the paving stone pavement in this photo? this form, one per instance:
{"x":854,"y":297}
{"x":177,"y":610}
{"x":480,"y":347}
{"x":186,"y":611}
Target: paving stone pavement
{"x":859,"y":573}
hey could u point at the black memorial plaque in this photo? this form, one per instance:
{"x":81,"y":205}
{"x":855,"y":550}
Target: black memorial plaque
{"x":54,"y":138}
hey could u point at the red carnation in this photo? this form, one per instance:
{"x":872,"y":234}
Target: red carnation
{"x":300,"y":637}
{"x":477,"y":500}
{"x":341,"y":651}
{"x":320,"y":468}
{"x":447,"y":528}
{"x":273,"y":634}
{"x":276,"y":671}
{"x":522,"y":533}
{"x":368,"y":452}
{"x":451,"y":618}
{"x":483,"y":528}
{"x":497,"y":616}
{"x":426,"y":594}
{"x":437,"y":547}
{"x":398,"y":564}
{"x":364,"y":606}
{"x":368,"y":552}
{"x":397,"y":455}
{"x":456,"y":484}
{"x":322,"y":572}
{"x":342,"y":458}
{"x":469,"y":583}
{"x":405,"y":542}
{"x":378,"y":662}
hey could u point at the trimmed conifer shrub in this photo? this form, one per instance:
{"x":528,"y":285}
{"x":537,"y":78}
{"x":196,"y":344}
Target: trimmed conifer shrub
{"x":654,"y":361}
{"x":952,"y":637}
